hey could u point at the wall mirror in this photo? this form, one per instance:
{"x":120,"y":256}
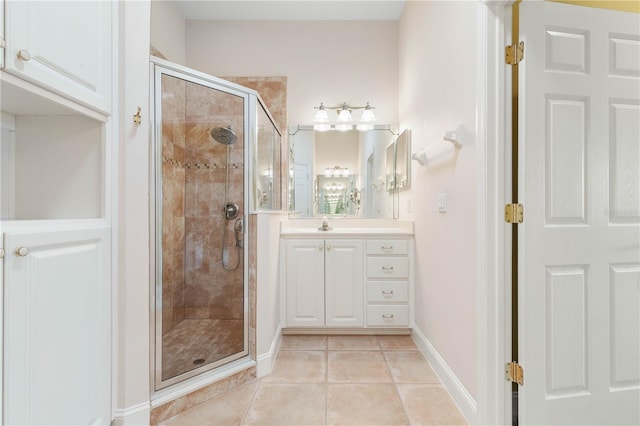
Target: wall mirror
{"x":343,"y":174}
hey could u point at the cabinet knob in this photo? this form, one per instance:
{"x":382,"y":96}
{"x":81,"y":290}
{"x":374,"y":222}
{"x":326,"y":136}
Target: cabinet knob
{"x":387,"y":293}
{"x":386,"y":248}
{"x":22,"y":251}
{"x":1,"y":253}
{"x":387,"y":268}
{"x":328,"y":248}
{"x":24,"y":55}
{"x":320,"y":247}
{"x":387,"y":317}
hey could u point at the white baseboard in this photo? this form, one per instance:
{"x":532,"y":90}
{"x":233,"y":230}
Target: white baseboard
{"x":456,"y":389}
{"x":266,"y":361}
{"x":133,"y":416}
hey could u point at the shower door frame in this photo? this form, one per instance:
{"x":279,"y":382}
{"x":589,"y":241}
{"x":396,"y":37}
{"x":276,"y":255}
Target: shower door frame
{"x":158,"y":68}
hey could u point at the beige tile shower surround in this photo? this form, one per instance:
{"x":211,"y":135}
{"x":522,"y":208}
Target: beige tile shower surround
{"x":273,"y":91}
{"x":334,"y":380}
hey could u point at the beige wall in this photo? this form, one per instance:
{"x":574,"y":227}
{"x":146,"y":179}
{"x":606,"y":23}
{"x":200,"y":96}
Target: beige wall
{"x":437,"y":93}
{"x":330,"y":62}
{"x":419,"y":72}
{"x":168,"y":30}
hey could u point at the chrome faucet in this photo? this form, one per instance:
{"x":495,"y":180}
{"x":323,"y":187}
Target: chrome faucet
{"x":325,"y":225}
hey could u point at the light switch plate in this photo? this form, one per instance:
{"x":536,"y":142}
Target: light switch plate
{"x":442,"y":202}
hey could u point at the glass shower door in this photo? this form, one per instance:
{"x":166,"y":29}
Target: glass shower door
{"x":201,"y":309}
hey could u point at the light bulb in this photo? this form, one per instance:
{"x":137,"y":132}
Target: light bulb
{"x":344,"y":127}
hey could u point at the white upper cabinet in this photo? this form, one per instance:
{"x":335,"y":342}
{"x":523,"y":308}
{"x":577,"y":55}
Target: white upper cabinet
{"x":65,"y":47}
{"x":2,"y":42}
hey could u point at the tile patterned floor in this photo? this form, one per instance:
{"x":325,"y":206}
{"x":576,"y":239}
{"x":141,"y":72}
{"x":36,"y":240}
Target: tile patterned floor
{"x":191,"y":340}
{"x":336,"y":380}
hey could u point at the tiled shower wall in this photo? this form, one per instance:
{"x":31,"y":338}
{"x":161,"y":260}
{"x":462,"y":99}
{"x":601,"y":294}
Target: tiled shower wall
{"x":211,"y":292}
{"x":195,"y":286}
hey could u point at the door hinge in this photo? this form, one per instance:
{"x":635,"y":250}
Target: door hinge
{"x":514,"y":213}
{"x":513,"y":54}
{"x":513,"y":372}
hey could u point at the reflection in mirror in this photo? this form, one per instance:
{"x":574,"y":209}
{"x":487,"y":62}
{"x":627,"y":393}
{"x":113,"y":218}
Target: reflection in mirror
{"x":337,"y":195}
{"x":390,"y":177}
{"x":403,"y":159}
{"x":342,"y":173}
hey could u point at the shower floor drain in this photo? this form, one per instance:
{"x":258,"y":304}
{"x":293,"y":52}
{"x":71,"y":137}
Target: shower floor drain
{"x":198,"y":361}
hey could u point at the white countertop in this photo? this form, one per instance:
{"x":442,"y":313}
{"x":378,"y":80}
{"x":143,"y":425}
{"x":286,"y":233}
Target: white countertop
{"x":346,"y":228}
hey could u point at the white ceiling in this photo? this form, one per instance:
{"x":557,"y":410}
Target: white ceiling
{"x":291,"y":10}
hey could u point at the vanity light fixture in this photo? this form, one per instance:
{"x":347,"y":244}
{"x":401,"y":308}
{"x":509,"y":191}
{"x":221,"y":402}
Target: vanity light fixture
{"x":344,"y":122}
{"x":337,"y":171}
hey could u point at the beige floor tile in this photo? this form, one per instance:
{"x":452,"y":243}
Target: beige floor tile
{"x":288,"y":404}
{"x":357,"y":367}
{"x":409,"y":367}
{"x":299,"y":367}
{"x":353,"y":343}
{"x":397,"y":343}
{"x":429,"y":405}
{"x":227,"y":409}
{"x":303,"y":343}
{"x":360,"y":404}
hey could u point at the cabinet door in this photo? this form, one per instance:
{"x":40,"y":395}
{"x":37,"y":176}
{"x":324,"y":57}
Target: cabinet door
{"x":305,"y":283}
{"x":64,"y":46}
{"x":344,"y":283}
{"x":2,"y":38}
{"x":57,"y":353}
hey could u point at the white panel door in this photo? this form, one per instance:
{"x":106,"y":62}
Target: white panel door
{"x":580,"y":247}
{"x":305,"y":283}
{"x":57,"y":353}
{"x":344,"y":283}
{"x":64,"y":46}
{"x":302,"y":190}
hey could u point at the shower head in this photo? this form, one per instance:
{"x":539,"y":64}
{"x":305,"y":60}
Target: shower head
{"x":224,"y":135}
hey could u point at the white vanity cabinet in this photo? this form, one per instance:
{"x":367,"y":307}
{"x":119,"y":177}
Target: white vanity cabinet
{"x":65,"y":47}
{"x":357,"y":280}
{"x":388,"y":283}
{"x":324,"y":283}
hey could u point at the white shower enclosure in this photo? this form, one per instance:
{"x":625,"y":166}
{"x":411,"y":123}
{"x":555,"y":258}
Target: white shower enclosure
{"x":208,"y":136}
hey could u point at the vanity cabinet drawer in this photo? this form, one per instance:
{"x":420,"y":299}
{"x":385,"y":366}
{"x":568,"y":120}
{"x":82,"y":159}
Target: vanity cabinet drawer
{"x":387,"y":291}
{"x":388,"y":315}
{"x":387,"y":267}
{"x":387,"y":247}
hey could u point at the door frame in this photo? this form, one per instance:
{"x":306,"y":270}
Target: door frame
{"x":493,"y":237}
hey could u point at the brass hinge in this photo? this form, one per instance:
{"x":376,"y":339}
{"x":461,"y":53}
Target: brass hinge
{"x":513,"y":54}
{"x":514,"y":213}
{"x":514,"y":373}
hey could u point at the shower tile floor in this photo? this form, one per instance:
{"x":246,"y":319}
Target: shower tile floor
{"x":335,"y":380}
{"x":188,"y":345}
